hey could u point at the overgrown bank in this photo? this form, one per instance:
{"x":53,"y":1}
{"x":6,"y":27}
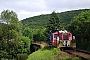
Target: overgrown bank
{"x":48,"y":53}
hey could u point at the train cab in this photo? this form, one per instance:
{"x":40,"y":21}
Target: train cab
{"x":62,"y":39}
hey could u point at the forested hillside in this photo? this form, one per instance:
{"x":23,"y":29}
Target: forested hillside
{"x":42,"y":20}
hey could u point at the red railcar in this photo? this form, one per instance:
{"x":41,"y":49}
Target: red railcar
{"x":62,"y":39}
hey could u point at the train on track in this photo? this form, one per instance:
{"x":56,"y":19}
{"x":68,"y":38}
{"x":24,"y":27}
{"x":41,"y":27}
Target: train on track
{"x":62,"y":39}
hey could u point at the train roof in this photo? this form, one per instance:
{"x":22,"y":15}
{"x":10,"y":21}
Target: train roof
{"x":63,"y":31}
{"x":54,"y":31}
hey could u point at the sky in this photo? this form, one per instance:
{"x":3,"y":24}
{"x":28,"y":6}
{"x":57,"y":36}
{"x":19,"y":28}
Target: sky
{"x":30,"y":8}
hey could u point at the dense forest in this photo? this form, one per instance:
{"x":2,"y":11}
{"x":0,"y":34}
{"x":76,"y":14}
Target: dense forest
{"x":42,"y":20}
{"x":16,"y":36}
{"x":80,"y":27}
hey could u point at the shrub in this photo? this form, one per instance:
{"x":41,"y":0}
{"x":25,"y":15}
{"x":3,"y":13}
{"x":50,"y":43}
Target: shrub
{"x":22,"y":56}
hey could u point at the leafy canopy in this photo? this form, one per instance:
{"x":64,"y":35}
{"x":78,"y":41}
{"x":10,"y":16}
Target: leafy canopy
{"x":11,"y":31}
{"x":80,"y":27}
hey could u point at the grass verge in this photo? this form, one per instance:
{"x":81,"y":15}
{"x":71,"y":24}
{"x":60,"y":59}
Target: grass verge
{"x":49,"y":53}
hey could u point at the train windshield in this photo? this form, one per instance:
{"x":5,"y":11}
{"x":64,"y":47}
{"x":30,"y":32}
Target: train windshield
{"x":65,"y":36}
{"x":55,"y":35}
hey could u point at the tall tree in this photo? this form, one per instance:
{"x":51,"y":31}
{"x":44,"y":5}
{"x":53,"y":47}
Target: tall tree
{"x":11,"y":30}
{"x":54,"y":23}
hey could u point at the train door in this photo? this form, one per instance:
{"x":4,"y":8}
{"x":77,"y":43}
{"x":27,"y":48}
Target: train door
{"x":55,"y":38}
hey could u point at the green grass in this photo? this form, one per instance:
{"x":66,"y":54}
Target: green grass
{"x":48,"y":54}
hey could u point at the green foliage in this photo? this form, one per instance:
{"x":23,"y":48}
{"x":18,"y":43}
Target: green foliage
{"x":80,"y":27}
{"x":11,"y":32}
{"x":54,"y":22}
{"x":49,"y":53}
{"x":43,"y":54}
{"x":3,"y":54}
{"x":37,"y":22}
{"x":22,"y":56}
{"x":25,"y":44}
{"x":76,"y":58}
{"x":8,"y":16}
{"x":27,"y":32}
{"x":35,"y":34}
{"x":39,"y":35}
{"x":42,"y":20}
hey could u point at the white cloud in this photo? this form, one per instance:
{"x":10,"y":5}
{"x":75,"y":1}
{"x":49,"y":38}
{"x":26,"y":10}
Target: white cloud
{"x":24,"y":14}
{"x":69,"y":4}
{"x":29,"y":8}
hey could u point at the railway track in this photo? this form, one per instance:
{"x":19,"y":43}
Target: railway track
{"x":79,"y":53}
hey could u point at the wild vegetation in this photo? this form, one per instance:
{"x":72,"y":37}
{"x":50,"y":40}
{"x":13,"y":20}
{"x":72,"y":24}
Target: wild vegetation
{"x":42,"y":20}
{"x":48,"y":53}
{"x":80,"y":27}
{"x":12,"y":42}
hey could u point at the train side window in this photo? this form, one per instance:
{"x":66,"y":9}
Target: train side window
{"x":55,"y":35}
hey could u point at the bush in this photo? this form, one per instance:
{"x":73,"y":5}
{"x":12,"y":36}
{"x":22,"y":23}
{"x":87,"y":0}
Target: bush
{"x":3,"y":54}
{"x":22,"y":56}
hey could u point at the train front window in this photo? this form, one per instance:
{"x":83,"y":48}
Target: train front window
{"x":55,"y":35}
{"x":65,"y":36}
